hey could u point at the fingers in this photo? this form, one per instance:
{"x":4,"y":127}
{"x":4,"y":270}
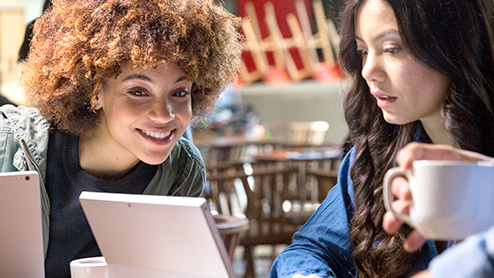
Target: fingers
{"x":401,"y":188}
{"x":423,"y":274}
{"x":420,"y":151}
{"x":414,"y":241}
{"x":391,"y":223}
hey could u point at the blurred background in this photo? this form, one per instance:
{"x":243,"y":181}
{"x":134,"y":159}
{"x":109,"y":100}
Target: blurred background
{"x":289,"y":73}
{"x":282,"y":117}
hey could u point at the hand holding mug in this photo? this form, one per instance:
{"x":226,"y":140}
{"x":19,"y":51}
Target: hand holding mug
{"x":400,"y":187}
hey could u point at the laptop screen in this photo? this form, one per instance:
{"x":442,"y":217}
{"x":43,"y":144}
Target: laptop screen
{"x":156,"y":236}
{"x":21,"y":232}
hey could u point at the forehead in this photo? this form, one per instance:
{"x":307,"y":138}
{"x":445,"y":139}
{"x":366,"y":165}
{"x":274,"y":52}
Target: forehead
{"x":162,"y":70}
{"x":373,"y":17}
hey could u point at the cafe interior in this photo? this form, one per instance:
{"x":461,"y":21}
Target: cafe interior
{"x":274,"y":143}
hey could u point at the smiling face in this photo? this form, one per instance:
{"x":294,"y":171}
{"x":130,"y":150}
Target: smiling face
{"x":144,"y":113}
{"x":404,"y":89}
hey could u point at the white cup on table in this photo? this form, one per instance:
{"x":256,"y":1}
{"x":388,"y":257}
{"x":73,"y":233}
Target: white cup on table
{"x":451,"y":200}
{"x":93,"y":267}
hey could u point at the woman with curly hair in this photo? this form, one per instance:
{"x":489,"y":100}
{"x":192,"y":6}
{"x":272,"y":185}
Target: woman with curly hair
{"x":115,"y":83}
{"x":421,"y":70}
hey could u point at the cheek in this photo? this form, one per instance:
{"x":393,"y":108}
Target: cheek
{"x":120,"y":115}
{"x":419,"y":80}
{"x":407,"y":77}
{"x":131,"y":109}
{"x":183,"y":110}
{"x":434,"y":86}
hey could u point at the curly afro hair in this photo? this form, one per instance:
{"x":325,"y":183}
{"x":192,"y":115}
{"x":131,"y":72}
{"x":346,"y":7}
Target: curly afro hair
{"x":78,"y":44}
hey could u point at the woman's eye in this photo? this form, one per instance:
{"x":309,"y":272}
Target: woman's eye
{"x":181,"y":93}
{"x":137,"y":93}
{"x":363,"y":52}
{"x":392,"y":50}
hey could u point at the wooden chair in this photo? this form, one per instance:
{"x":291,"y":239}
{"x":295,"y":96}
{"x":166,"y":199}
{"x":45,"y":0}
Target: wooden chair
{"x":259,"y":47}
{"x":300,"y":132}
{"x":321,"y":38}
{"x":281,"y":45}
{"x":268,"y":196}
{"x":324,"y":179}
{"x":231,"y":229}
{"x":323,"y":175}
{"x":222,"y":155}
{"x":251,"y":44}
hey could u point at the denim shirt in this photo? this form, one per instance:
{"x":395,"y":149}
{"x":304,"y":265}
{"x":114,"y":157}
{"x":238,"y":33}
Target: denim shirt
{"x":24,"y":134}
{"x":474,"y":257}
{"x":322,"y":246}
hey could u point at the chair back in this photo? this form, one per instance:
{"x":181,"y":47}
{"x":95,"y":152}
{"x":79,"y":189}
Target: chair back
{"x":268,"y":194}
{"x":225,"y":149}
{"x":267,"y":197}
{"x":300,"y":133}
{"x":308,"y":132}
{"x":325,"y":180}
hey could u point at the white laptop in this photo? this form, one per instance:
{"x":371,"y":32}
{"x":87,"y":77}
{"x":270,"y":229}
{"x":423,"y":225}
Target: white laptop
{"x":156,"y":236}
{"x":21,"y":232}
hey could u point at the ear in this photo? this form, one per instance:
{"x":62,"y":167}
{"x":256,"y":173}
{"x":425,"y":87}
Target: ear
{"x":96,"y":102}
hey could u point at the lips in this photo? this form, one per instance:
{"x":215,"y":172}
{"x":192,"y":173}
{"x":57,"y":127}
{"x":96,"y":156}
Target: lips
{"x":157,"y":137}
{"x":383,"y":100}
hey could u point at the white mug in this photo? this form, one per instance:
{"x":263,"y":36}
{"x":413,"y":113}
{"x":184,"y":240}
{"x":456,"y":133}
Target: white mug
{"x":94,"y":267}
{"x":451,"y":200}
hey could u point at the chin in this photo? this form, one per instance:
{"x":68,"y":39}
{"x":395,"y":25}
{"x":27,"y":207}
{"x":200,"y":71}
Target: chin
{"x":391,"y":119}
{"x":155,"y":160}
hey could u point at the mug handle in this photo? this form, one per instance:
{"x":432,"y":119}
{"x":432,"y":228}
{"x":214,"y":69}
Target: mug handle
{"x":388,"y":195}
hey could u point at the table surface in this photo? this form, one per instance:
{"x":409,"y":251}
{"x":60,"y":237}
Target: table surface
{"x":227,"y":224}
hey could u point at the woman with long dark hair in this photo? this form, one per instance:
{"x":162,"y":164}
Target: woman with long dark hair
{"x":421,"y":71}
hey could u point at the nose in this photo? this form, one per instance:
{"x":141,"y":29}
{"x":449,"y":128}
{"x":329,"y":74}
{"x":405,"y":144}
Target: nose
{"x":372,"y":69}
{"x":162,"y":111}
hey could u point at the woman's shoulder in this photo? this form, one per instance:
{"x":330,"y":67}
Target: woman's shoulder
{"x":23,"y":117}
{"x":347,"y":162}
{"x":187,"y":148}
{"x":27,"y":125}
{"x":187,"y":155}
{"x":345,"y":182}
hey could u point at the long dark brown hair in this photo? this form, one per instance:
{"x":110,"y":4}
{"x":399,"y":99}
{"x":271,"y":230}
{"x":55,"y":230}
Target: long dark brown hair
{"x":454,"y":37}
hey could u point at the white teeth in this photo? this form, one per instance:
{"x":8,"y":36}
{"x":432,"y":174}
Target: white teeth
{"x":156,"y":134}
{"x":385,"y":97}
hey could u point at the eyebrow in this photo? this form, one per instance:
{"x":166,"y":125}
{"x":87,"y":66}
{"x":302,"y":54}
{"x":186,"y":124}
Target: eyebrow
{"x":181,"y":78}
{"x":145,"y":78}
{"x":381,"y":35}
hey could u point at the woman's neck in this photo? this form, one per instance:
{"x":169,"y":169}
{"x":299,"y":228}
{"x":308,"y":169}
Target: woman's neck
{"x":437,"y":132}
{"x":99,"y":156}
